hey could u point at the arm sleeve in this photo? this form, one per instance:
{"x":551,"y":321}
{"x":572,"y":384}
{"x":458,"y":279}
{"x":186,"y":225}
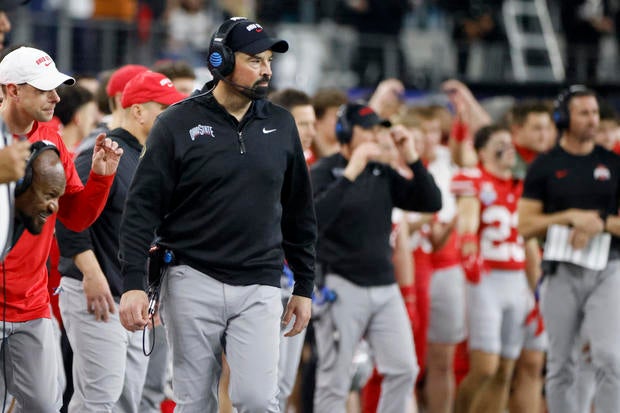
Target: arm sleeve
{"x":147,"y":202}
{"x":328,"y":195}
{"x":417,"y":194}
{"x":70,"y":242}
{"x":80,"y":206}
{"x":299,"y":222}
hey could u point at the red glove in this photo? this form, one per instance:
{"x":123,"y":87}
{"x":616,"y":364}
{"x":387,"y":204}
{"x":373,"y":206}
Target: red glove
{"x":471,"y":261}
{"x":536,"y":316}
{"x":409,"y":297}
{"x":460,"y":131}
{"x":473,"y":266}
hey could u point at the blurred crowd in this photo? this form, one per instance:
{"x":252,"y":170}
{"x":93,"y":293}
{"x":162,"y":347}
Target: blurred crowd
{"x":362,"y":40}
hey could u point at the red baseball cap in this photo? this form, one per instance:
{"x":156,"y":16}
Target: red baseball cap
{"x":121,"y":76}
{"x":150,"y":87}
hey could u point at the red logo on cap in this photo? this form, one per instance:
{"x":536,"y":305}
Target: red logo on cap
{"x":44,"y":59}
{"x":254,"y":26}
{"x":365,"y":111}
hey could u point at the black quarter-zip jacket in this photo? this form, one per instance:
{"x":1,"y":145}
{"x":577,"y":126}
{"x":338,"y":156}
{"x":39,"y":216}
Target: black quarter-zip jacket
{"x":354,"y":218}
{"x":231,"y":199}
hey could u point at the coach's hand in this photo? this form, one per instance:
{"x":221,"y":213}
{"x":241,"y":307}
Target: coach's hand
{"x":134,"y":310}
{"x":106,"y":155}
{"x":587,"y":221}
{"x":301,"y":308}
{"x":364,"y":153}
{"x":13,"y":161}
{"x":404,"y":140}
{"x":579,"y":239}
{"x":99,"y":299}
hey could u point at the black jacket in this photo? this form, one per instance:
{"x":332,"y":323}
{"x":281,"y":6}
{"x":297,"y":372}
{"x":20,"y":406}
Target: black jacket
{"x":231,"y":199}
{"x":354,"y":218}
{"x":102,"y":236}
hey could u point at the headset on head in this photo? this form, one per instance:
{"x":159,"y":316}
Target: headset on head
{"x":36,"y":149}
{"x":221,"y":61}
{"x":561,"y":114}
{"x":344,"y":131}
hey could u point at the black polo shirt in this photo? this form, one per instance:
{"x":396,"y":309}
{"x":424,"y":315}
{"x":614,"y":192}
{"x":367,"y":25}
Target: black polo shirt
{"x":561,"y":181}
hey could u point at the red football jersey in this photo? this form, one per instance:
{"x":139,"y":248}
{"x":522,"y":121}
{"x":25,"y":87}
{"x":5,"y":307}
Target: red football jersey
{"x":501,"y":246}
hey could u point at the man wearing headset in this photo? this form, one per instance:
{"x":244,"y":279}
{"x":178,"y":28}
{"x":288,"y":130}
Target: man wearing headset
{"x":37,"y":196}
{"x":355,"y":191}
{"x":224,"y":186}
{"x":571,"y":194}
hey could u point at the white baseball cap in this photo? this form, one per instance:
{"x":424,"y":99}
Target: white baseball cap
{"x":32,"y":66}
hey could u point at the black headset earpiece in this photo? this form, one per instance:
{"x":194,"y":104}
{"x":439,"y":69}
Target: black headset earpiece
{"x":561,"y":114}
{"x":35,"y":150}
{"x":221,"y":61}
{"x":343,"y":127}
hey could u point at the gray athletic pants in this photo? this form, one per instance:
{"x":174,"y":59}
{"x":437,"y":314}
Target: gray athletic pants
{"x":379,"y":315}
{"x":156,"y":374}
{"x":31,"y":366}
{"x":571,"y":298}
{"x":109,"y":366}
{"x":200,"y":314}
{"x":585,"y":377}
{"x":290,"y":356}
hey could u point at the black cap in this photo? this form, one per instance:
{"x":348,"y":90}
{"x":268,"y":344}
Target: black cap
{"x":364,"y":116}
{"x":249,"y":37}
{"x":8,"y":5}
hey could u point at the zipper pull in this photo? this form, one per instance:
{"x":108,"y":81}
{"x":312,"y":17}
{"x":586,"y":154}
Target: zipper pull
{"x":241,"y":143}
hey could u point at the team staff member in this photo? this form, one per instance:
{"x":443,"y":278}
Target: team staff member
{"x":354,"y":197}
{"x":497,"y":301}
{"x":224,"y":184}
{"x":40,"y":196}
{"x":326,"y":103}
{"x":574,"y":298}
{"x":29,"y":78}
{"x":533,"y":133}
{"x":299,"y":104}
{"x":114,"y":91}
{"x":91,"y":275}
{"x":13,"y":153}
